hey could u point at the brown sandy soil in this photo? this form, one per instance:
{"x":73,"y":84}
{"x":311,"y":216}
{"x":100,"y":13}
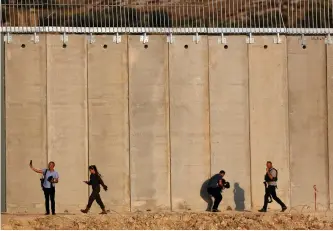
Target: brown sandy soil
{"x":174,"y":220}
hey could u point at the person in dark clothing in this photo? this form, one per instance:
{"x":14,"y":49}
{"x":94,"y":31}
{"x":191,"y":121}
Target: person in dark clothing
{"x":215,"y":187}
{"x":270,"y":199}
{"x":95,"y":182}
{"x":50,"y":178}
{"x":271,"y":177}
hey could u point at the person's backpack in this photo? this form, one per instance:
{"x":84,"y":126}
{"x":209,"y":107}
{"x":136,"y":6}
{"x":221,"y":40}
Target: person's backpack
{"x":43,"y":179}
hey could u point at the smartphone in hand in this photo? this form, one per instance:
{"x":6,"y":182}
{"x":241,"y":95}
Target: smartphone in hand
{"x":30,"y":163}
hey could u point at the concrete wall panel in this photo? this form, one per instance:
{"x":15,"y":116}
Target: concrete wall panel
{"x":25,"y":97}
{"x":308,"y":121}
{"x":268,"y":116}
{"x":108,"y":118}
{"x":330,"y":118}
{"x":229,"y":118}
{"x":149,"y":123}
{"x":67,"y":118}
{"x":189,"y":121}
{"x":2,"y":126}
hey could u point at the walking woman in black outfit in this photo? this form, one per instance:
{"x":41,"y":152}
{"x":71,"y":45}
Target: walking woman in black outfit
{"x":95,"y":182}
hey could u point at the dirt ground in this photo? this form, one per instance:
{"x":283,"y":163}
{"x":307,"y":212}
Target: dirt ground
{"x":171,"y":220}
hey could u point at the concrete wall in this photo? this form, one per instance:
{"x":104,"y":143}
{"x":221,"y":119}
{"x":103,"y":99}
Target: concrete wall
{"x":159,"y":119}
{"x":108,"y":118}
{"x":149,"y":124}
{"x":2,"y":128}
{"x":189,"y":122}
{"x":67,"y":123}
{"x":309,"y":159}
{"x":229,"y":118}
{"x":268,"y":95}
{"x":329,"y":52}
{"x":26,"y":122}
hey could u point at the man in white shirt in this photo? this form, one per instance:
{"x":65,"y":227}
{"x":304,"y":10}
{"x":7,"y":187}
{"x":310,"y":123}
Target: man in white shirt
{"x":51,"y":177}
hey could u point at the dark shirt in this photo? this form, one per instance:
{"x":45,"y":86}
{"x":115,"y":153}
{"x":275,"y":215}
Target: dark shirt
{"x":214,"y":181}
{"x":95,"y":182}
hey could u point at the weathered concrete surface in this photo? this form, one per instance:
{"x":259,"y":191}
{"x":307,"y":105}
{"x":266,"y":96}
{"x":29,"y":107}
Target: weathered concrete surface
{"x":268,"y":116}
{"x":56,"y":126}
{"x":25,"y":122}
{"x":308,"y":121}
{"x":67,"y":119}
{"x":229,"y":118}
{"x":108,"y":118}
{"x":189,"y":122}
{"x":2,"y":125}
{"x":329,"y":62}
{"x":149,"y":124}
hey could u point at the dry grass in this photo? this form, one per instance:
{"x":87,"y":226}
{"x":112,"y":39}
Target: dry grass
{"x":227,"y":220}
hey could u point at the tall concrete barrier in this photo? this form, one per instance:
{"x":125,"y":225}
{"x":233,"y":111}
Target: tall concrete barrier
{"x":189,"y":122}
{"x":149,"y":124}
{"x":25,"y":97}
{"x":308,"y":122}
{"x":158,"y":119}
{"x":268,"y":115}
{"x":229,"y":118}
{"x":329,"y":51}
{"x":108,"y":118}
{"x":67,"y":119}
{"x":2,"y":125}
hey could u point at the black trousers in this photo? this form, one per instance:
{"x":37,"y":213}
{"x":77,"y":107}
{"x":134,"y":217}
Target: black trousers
{"x":270,"y":191}
{"x":49,"y":194}
{"x":216,"y":193}
{"x":95,"y":196}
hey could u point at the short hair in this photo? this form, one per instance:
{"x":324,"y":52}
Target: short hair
{"x":222,"y":172}
{"x":269,"y":162}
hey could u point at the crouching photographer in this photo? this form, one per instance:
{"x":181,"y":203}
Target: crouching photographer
{"x":48,"y":181}
{"x":215,"y":186}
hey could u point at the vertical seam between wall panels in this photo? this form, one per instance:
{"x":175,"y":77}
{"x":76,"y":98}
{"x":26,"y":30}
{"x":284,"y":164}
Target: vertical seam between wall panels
{"x":288,"y":121}
{"x":249,"y":117}
{"x":288,"y":127}
{"x":129,"y":125}
{"x":169,"y":126}
{"x":46,"y":98}
{"x":209,"y":111}
{"x":87,"y":108}
{"x":327,"y":129}
{"x":3,"y":118}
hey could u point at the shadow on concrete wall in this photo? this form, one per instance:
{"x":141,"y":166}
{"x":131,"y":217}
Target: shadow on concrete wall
{"x":205,"y":196}
{"x":239,"y":197}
